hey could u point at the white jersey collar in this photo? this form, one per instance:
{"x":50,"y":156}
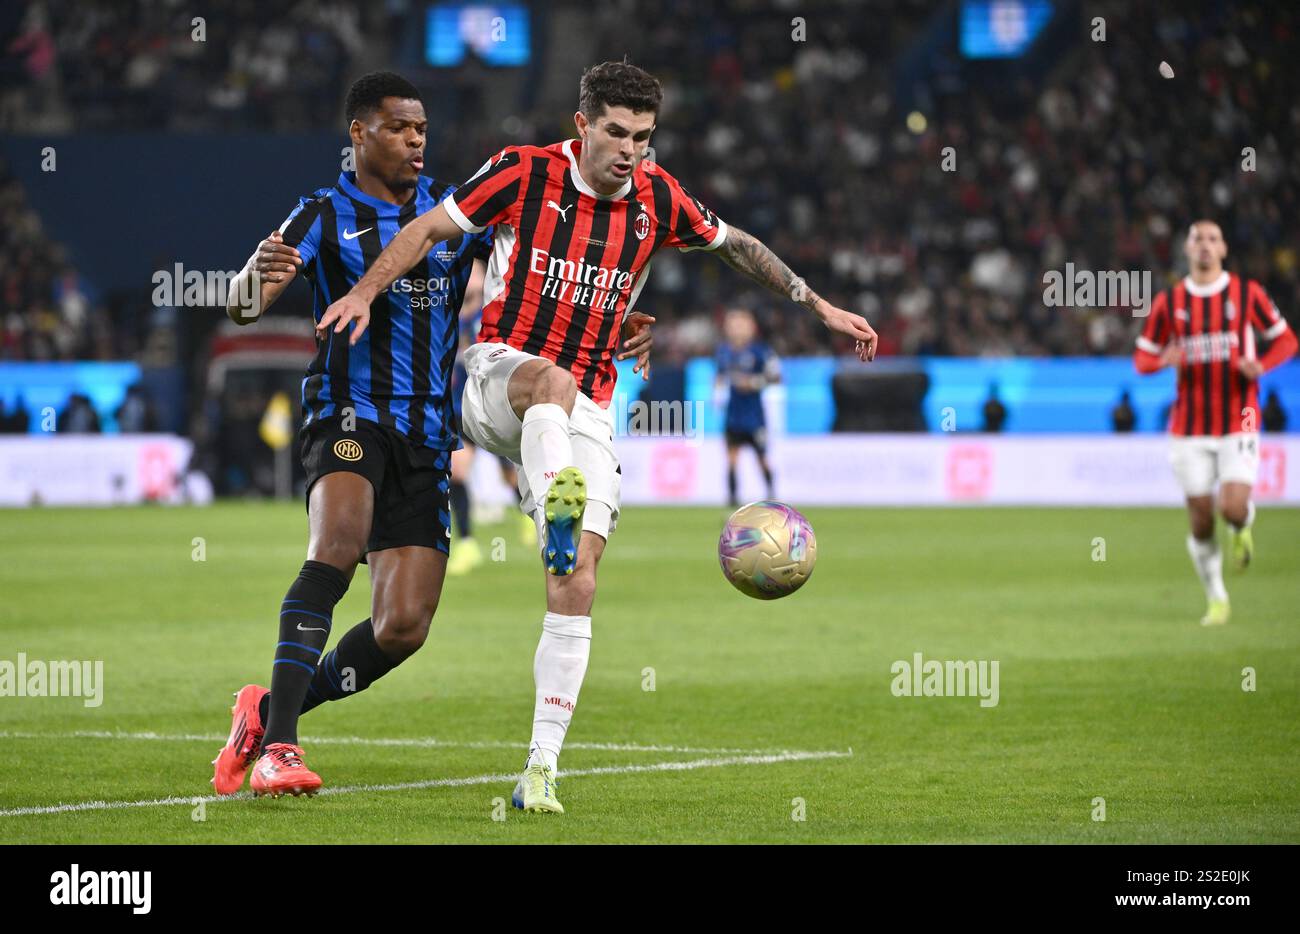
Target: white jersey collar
{"x":1205,"y":291}
{"x":570,"y":149}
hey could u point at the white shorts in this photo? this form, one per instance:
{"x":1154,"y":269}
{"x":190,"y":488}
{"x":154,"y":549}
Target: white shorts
{"x":489,"y":421}
{"x":1201,"y":460}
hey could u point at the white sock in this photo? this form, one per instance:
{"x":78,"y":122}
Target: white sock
{"x":558,"y":670}
{"x":1208,"y":561}
{"x":545,"y":446}
{"x":1250,"y":517}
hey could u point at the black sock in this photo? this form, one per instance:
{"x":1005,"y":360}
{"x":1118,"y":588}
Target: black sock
{"x":460,"y":509}
{"x":767,"y":478}
{"x":349,"y":668}
{"x":731,"y":485}
{"x":304,"y":629}
{"x":358,"y":651}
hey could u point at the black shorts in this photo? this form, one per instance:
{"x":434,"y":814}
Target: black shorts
{"x":756,"y":439}
{"x":411,"y":482}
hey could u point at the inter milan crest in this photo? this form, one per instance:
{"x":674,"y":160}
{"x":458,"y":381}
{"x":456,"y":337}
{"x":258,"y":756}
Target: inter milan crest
{"x":642,"y":226}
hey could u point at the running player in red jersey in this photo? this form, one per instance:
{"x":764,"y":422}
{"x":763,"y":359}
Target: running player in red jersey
{"x":1205,"y":326}
{"x":575,"y":227}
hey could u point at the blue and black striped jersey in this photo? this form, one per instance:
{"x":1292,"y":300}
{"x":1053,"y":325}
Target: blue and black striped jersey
{"x":745,"y":403}
{"x":399,"y":373}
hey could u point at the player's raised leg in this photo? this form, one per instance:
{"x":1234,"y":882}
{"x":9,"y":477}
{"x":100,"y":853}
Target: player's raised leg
{"x":1203,"y":547}
{"x":542,"y":396}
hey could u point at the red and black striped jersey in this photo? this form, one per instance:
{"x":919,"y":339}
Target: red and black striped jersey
{"x":1215,"y":326}
{"x":568,"y":263}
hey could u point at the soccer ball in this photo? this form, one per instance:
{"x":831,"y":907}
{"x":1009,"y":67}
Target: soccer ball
{"x":767,"y":550}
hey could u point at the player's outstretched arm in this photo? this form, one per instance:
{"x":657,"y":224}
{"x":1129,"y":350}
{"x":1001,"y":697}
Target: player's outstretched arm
{"x":746,"y":253}
{"x":263,"y":279}
{"x":403,"y":252}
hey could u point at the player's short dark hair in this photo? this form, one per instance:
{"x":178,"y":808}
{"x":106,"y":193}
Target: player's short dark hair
{"x":618,"y":84}
{"x":368,"y":92}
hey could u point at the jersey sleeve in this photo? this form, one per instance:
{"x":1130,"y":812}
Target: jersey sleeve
{"x":1262,"y":314}
{"x":491,"y":196}
{"x":302,"y":230}
{"x":481,"y":245}
{"x":1155,"y":333}
{"x":692,"y":226}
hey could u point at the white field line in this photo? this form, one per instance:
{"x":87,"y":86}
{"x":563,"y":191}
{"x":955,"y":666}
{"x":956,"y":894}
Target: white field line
{"x":689,"y":765}
{"x":416,"y":741}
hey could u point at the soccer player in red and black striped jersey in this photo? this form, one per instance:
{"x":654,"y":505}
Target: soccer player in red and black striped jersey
{"x":576,"y":225}
{"x":1205,"y":326}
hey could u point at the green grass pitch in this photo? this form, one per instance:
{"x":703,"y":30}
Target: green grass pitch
{"x":1108,"y":686}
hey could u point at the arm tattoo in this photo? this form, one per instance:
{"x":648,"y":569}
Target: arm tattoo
{"x":745,"y":253}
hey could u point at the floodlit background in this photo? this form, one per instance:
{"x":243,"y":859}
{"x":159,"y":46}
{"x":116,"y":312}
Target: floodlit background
{"x":924,"y":164}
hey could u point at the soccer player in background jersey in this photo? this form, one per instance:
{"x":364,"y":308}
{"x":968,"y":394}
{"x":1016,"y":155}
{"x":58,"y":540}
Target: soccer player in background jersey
{"x":377,"y":437}
{"x":1205,"y":326}
{"x":745,"y":366}
{"x":576,"y":225}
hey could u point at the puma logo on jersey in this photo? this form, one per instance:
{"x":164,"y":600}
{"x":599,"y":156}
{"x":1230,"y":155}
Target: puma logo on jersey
{"x":562,"y":211}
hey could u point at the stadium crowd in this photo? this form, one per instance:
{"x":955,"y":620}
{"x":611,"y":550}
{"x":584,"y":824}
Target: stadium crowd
{"x":1102,"y":166}
{"x":47,"y":313}
{"x":801,"y":141}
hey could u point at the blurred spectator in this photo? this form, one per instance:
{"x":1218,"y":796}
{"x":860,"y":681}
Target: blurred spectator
{"x":135,"y":415}
{"x":1274,"y":416}
{"x":16,"y":420}
{"x":1122,"y":417}
{"x":995,"y":413}
{"x":79,"y":418}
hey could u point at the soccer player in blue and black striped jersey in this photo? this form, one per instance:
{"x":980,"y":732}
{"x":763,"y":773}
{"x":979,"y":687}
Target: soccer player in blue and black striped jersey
{"x":377,"y":435}
{"x":745,"y":365}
